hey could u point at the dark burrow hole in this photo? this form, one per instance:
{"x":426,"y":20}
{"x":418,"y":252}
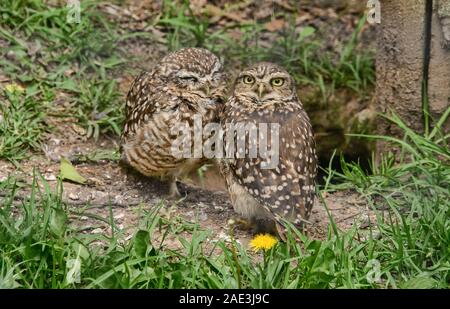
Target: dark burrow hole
{"x":363,"y":159}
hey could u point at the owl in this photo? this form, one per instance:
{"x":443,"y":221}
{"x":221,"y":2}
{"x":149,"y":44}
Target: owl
{"x":263,"y":95}
{"x":185,"y":84}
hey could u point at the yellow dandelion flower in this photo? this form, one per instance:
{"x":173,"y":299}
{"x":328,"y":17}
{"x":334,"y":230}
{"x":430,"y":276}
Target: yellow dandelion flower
{"x":263,"y":242}
{"x":14,"y":88}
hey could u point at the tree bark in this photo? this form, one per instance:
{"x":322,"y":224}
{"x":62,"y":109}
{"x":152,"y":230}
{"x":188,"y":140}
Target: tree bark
{"x":439,"y":79}
{"x":400,"y":64}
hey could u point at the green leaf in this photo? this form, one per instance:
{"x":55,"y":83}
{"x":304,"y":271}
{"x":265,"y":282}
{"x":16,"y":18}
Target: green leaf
{"x":81,"y":250}
{"x":141,"y":242}
{"x":67,"y":171}
{"x":69,"y":84}
{"x":74,"y":270}
{"x":58,"y":220}
{"x":422,"y":281}
{"x":306,"y":32}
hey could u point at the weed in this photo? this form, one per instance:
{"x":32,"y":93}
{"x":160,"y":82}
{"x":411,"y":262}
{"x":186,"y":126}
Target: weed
{"x":45,"y":49}
{"x":98,"y":107}
{"x":183,"y":30}
{"x":22,"y":116}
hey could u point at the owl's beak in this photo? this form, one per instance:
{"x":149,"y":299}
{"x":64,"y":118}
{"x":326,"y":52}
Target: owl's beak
{"x":261,"y":90}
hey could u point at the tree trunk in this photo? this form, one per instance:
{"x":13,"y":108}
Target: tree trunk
{"x":401,"y":63}
{"x":439,"y":78}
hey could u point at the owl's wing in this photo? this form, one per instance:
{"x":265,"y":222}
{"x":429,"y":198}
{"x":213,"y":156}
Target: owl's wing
{"x":141,"y":102}
{"x":287,"y":190}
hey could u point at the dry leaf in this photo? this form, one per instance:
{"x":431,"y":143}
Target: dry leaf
{"x":303,"y":17}
{"x":197,"y":6}
{"x":216,"y":11}
{"x":275,"y":25}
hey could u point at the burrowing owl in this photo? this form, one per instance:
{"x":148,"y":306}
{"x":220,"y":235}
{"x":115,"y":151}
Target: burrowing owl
{"x":265,"y":94}
{"x":185,"y":83}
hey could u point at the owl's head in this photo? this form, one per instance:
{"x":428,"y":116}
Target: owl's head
{"x":265,"y":82}
{"x":195,"y":73}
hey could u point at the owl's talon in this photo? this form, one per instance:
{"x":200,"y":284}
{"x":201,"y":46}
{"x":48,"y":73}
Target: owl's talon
{"x":243,"y":224}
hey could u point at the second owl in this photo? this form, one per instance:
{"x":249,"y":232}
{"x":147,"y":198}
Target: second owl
{"x":265,"y":94}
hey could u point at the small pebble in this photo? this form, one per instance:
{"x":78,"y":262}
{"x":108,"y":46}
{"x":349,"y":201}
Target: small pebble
{"x":11,"y":55}
{"x":203,"y":216}
{"x":50,"y":177}
{"x":73,"y":196}
{"x":55,"y":141}
{"x":119,"y":216}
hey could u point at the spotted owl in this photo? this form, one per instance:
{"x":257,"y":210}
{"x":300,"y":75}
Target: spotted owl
{"x":266,"y":195}
{"x":187,"y":83}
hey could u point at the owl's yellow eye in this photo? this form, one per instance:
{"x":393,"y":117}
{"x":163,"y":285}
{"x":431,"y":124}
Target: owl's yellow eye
{"x":277,"y":82}
{"x":248,"y":79}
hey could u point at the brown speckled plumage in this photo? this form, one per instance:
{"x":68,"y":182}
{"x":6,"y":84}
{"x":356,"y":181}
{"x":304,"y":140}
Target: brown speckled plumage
{"x":286,"y":191}
{"x":185,"y":83}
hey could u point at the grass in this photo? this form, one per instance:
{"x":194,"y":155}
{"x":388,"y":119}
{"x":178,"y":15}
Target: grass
{"x":408,"y":246}
{"x":87,"y":42}
{"x":22,"y":122}
{"x":414,"y":239}
{"x":43,"y":50}
{"x":97,"y":106}
{"x":183,"y":29}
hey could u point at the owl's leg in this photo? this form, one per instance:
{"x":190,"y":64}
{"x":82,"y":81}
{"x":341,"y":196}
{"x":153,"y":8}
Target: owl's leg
{"x":256,"y":225}
{"x":124,"y":162}
{"x":244,"y":224}
{"x":173,"y":189}
{"x":264,"y":225}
